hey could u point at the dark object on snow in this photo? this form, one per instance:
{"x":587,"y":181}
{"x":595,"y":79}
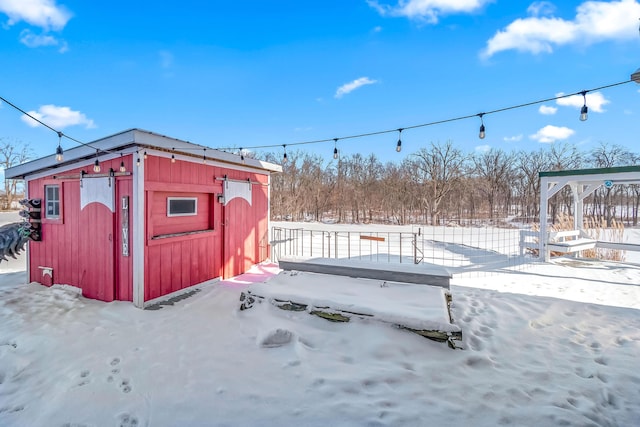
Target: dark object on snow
{"x":13,"y":238}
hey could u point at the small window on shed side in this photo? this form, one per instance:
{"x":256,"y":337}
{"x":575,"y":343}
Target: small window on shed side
{"x":182,"y":206}
{"x":52,"y":201}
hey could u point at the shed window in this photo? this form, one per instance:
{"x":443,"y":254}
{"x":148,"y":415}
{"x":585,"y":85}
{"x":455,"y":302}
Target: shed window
{"x":52,"y":201}
{"x":182,"y":206}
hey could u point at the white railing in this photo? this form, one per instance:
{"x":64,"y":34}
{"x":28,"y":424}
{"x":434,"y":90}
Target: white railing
{"x":460,"y":249}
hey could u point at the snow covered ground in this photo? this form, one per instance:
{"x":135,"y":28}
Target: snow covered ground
{"x":556,"y":344}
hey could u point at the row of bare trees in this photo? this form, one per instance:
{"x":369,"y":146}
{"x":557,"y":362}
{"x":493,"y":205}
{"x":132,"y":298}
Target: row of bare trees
{"x":442,"y":183}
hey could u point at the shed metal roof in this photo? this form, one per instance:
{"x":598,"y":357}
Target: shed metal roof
{"x":132,"y":140}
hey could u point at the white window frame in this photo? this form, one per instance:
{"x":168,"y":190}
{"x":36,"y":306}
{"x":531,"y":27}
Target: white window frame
{"x":195,"y":206}
{"x":55,"y":201}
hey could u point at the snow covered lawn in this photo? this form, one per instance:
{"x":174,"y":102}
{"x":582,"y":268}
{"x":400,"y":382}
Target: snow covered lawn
{"x":557,"y":344}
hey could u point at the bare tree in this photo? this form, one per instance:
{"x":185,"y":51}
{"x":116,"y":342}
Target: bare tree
{"x":494,"y":168}
{"x":12,"y":153}
{"x":607,"y":156}
{"x":440,"y":168}
{"x":529,"y":165}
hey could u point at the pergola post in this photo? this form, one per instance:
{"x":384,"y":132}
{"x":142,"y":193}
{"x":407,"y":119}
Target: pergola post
{"x":544,"y":207}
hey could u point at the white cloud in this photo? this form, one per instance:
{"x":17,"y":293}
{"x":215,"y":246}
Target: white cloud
{"x":32,"y":40}
{"x":514,"y":138}
{"x":595,"y":101}
{"x":377,"y":29}
{"x":427,"y":10}
{"x":540,"y":8}
{"x":351,"y":86}
{"x":58,"y":117}
{"x":483,"y":148}
{"x":552,"y":133}
{"x":45,"y":14}
{"x":547,"y":110}
{"x":594,"y":21}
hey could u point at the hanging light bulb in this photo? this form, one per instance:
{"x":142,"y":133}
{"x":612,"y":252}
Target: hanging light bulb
{"x":59,"y":151}
{"x":241,"y":155}
{"x":481,"y":134}
{"x":284,"y":156}
{"x":173,"y":158}
{"x":96,"y":164}
{"x":584,"y":111}
{"x":122,"y":167}
{"x":145,"y":155}
{"x":335,"y":148}
{"x":138,"y":160}
{"x":204,"y":156}
{"x":399,"y":145}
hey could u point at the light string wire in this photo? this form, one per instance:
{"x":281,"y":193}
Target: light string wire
{"x":469,"y":116}
{"x":60,"y":133}
{"x":361,"y":135}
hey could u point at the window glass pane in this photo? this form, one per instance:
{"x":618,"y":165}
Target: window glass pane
{"x":52,"y":201}
{"x":182,"y":206}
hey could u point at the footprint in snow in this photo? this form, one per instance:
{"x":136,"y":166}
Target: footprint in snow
{"x":84,"y":378}
{"x":125,"y":386}
{"x":127,"y":420}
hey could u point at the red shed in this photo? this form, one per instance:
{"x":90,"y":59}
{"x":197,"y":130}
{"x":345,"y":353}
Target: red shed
{"x":160,"y":215}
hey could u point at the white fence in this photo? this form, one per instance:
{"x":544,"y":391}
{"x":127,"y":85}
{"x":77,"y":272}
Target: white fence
{"x":463,"y":250}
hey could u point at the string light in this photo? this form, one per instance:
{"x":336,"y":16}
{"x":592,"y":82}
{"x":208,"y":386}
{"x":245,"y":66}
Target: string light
{"x":284,"y":156}
{"x":481,"y":134}
{"x":335,"y":148}
{"x":635,"y":77}
{"x":584,"y":111}
{"x":137,"y":159}
{"x":399,"y":145}
{"x":122,"y":167}
{"x":173,"y":158}
{"x":204,"y":156}
{"x":144,"y":155}
{"x":96,"y":164}
{"x":59,"y":151}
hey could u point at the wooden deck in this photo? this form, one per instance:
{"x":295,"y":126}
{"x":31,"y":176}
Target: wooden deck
{"x":422,"y":274}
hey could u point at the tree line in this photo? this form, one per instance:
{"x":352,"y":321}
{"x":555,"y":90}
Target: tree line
{"x":440,"y":184}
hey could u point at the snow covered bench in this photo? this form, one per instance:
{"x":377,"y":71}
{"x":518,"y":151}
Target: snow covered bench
{"x":424,"y":310}
{"x":569,"y":241}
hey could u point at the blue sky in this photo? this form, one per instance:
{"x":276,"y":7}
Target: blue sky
{"x":254,"y":73}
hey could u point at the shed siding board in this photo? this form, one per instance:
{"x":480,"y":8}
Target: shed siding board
{"x":85,"y":247}
{"x":175,"y":263}
{"x":96,"y":260}
{"x":124,"y":264}
{"x":70,"y":246}
{"x":163,"y":224}
{"x":245,"y":226}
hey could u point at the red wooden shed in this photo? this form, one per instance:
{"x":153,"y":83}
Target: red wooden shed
{"x":161,"y":215}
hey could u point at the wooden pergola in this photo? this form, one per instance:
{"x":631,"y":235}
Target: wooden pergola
{"x":582,"y":182}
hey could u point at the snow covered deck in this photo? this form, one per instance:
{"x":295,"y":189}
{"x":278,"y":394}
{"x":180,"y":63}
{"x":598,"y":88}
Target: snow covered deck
{"x":423,"y":274}
{"x":420,"y":309}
